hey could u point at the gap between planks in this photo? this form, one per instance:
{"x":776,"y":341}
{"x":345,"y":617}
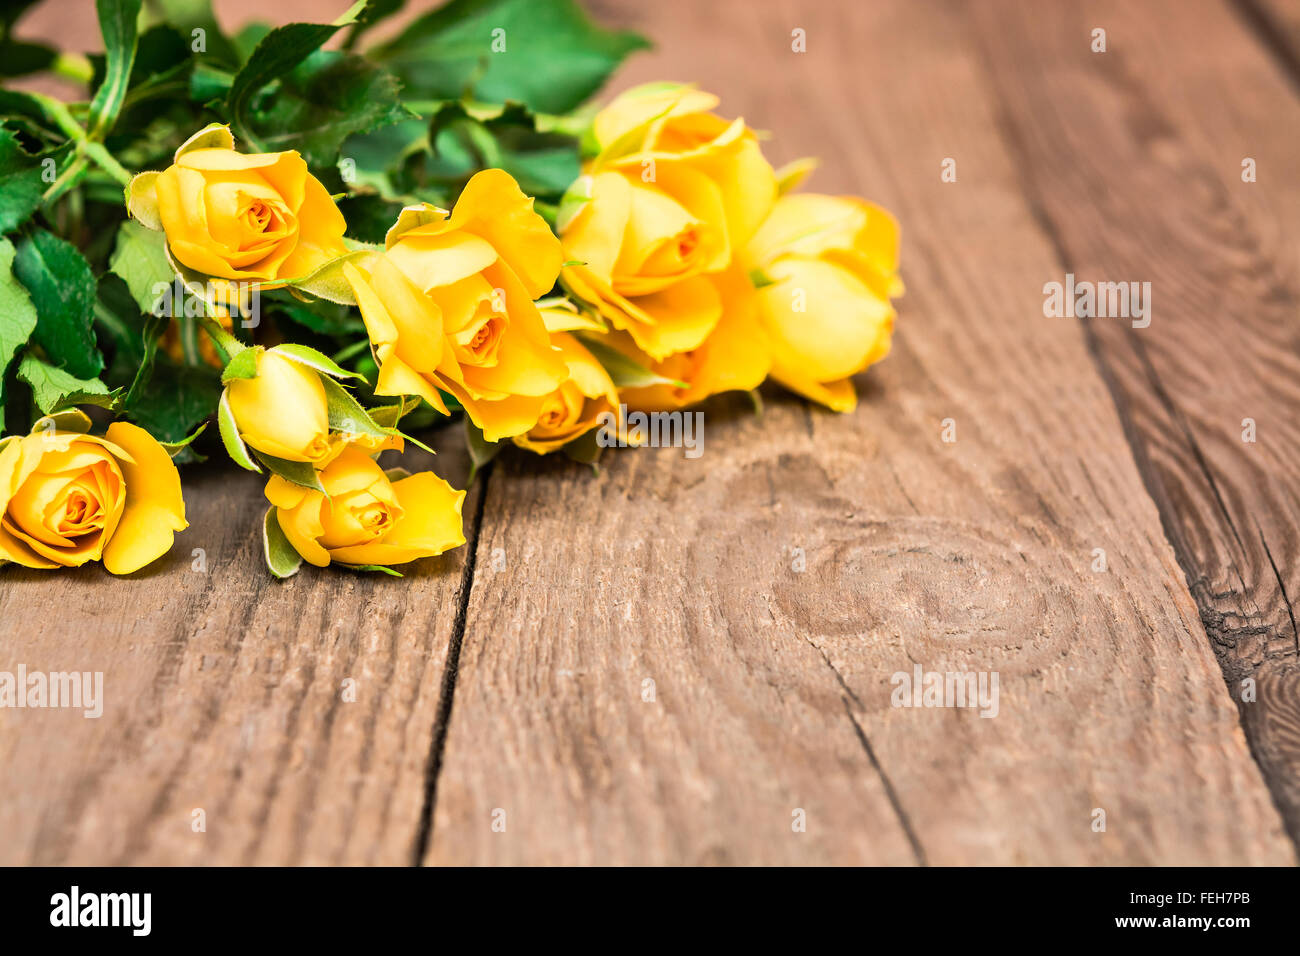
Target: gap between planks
{"x":1278,"y":41}
{"x":447,"y":696}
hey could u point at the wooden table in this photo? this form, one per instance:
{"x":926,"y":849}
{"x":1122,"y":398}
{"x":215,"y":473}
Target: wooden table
{"x":630,"y":667}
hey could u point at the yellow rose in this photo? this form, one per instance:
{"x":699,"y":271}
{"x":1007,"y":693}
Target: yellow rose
{"x":735,"y":356}
{"x":282,"y":411}
{"x":674,"y":194}
{"x":833,"y":267}
{"x":364,"y":517}
{"x":450,"y":305}
{"x":253,"y":217}
{"x":577,"y":406}
{"x":67,"y":498}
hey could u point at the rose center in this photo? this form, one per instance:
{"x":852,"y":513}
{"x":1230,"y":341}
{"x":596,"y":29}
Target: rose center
{"x":80,"y":512}
{"x":480,"y":339}
{"x":561,"y":411}
{"x":374,"y":518}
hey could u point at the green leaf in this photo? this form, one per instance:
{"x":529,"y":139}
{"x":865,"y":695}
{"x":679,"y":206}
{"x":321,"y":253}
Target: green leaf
{"x":54,"y":389}
{"x":462,"y":143}
{"x":209,"y":83}
{"x":323,"y":318}
{"x":177,"y":398}
{"x":368,"y":216}
{"x":187,"y":16}
{"x":117,"y":21}
{"x":17,"y":314}
{"x":299,"y":472}
{"x":279,"y":52}
{"x":174,"y":448}
{"x":308,"y":356}
{"x":154,"y":326}
{"x":140,"y":258}
{"x":120,"y":324}
{"x":281,"y":558}
{"x":62,"y":288}
{"x":21,"y":184}
{"x":623,"y":371}
{"x":24,"y":112}
{"x":375,"y":11}
{"x":18,"y":58}
{"x":554,"y":57}
{"x":242,"y":365}
{"x":249,"y":36}
{"x":327,"y":98}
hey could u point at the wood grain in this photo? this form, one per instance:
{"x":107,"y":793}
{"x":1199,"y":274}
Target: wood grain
{"x":224,"y":692}
{"x":970,"y":556}
{"x":1135,"y":160}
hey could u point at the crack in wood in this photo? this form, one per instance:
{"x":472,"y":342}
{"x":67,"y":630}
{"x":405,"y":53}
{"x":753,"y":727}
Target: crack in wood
{"x":442,"y":720}
{"x":1271,"y":35}
{"x":1221,"y":636}
{"x":903,"y":821}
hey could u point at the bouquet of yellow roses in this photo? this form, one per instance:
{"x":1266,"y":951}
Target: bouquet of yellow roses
{"x":329,"y":250}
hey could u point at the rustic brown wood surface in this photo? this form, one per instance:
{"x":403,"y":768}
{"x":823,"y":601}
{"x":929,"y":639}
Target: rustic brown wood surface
{"x":676,"y":660}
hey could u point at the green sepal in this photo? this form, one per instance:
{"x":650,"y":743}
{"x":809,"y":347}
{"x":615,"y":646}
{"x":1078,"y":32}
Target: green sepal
{"x":387,"y":416}
{"x":625,"y":372}
{"x":328,"y":282}
{"x":346,"y":414}
{"x":369,"y":567}
{"x":68,"y":420}
{"x":585,"y":449}
{"x":242,"y":365}
{"x":212,"y":136}
{"x":141,"y":196}
{"x":281,"y":558}
{"x":481,"y":451}
{"x":793,"y":173}
{"x":573,"y":201}
{"x":235,"y":446}
{"x":299,"y":472}
{"x":306,"y":355}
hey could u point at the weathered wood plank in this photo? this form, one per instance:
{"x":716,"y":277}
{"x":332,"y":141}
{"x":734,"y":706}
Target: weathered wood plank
{"x":224,"y":692}
{"x":1277,"y":23}
{"x":972,"y":556}
{"x":1136,"y":157}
